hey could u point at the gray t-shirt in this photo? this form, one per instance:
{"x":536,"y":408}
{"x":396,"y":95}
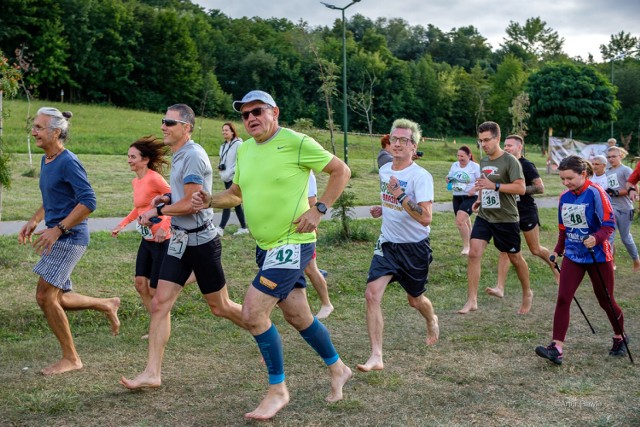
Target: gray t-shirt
{"x":617,"y":180}
{"x":191,"y":165}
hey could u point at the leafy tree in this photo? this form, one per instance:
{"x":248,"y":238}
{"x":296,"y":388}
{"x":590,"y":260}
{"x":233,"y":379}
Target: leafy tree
{"x":10,"y":77}
{"x":620,"y":43}
{"x":507,"y":84}
{"x":568,"y":97}
{"x":533,"y":41}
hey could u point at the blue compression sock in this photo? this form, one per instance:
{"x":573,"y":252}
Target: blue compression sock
{"x":270,"y":345}
{"x":317,"y":336}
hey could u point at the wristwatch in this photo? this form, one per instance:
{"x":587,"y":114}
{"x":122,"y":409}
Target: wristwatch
{"x":497,"y":186}
{"x":62,"y":228}
{"x":322,"y":208}
{"x":159,"y":209}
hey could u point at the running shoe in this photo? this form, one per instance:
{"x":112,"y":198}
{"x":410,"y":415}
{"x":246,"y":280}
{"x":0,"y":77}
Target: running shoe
{"x":241,"y":231}
{"x":618,"y":348}
{"x":550,"y":352}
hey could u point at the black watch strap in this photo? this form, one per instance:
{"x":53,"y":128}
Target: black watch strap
{"x":159,"y":209}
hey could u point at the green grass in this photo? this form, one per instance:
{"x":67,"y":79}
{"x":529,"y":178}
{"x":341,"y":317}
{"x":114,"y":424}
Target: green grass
{"x":483,"y":371}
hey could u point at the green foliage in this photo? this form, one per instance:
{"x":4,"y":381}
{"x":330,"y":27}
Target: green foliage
{"x":566,"y":96}
{"x":343,"y":211}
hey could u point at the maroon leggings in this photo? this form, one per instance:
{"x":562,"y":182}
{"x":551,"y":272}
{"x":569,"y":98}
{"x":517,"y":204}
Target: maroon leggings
{"x":570,"y":278}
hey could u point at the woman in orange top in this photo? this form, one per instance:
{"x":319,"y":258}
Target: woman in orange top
{"x":146,"y":157}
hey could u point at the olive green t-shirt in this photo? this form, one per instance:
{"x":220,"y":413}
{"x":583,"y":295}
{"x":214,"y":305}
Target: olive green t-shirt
{"x":495,"y":206}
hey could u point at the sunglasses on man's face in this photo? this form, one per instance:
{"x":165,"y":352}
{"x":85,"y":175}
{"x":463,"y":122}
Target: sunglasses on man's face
{"x":171,"y":122}
{"x":257,"y":112}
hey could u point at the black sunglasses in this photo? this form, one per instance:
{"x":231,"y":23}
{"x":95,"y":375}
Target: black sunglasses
{"x":257,"y":112}
{"x":171,"y":122}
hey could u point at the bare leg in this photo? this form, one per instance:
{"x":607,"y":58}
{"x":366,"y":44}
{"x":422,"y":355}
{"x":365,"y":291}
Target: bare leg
{"x":375,"y":323}
{"x":473,"y":275}
{"x":48,"y":297}
{"x":222,"y":306}
{"x":522,"y":269}
{"x":159,"y":332}
{"x":503,"y":270}
{"x":72,"y":301}
{"x":144,"y":290}
{"x":320,"y":285}
{"x":532,"y":238}
{"x":463,"y":223}
{"x":296,"y":311}
{"x":256,"y":312}
{"x":425,"y":308}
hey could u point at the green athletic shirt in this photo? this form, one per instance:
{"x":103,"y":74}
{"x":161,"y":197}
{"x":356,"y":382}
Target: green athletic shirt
{"x":273,"y":177}
{"x":504,"y":170}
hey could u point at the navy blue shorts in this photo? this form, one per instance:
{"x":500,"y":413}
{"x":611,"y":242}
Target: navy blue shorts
{"x":150,"y":259}
{"x":506,"y":235}
{"x":279,"y":282}
{"x":528,"y":218}
{"x":408,"y":263}
{"x":463,"y":203}
{"x":205,"y":262}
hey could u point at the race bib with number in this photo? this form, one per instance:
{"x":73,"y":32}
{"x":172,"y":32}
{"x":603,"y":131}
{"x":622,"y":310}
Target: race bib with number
{"x":612,"y":181}
{"x":378,"y":249}
{"x":144,"y":231}
{"x":490,"y":199}
{"x":178,"y":243}
{"x":458,"y":186}
{"x":285,"y":256}
{"x":574,"y":216}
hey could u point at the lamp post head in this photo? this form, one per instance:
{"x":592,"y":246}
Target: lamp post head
{"x":330,"y":6}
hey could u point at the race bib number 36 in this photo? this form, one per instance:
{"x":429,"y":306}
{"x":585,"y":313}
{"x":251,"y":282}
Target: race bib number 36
{"x":574,"y":216}
{"x":490,"y":199}
{"x":285,"y":256}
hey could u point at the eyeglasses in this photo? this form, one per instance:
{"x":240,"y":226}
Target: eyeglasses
{"x":257,"y":112}
{"x":612,"y":157}
{"x":37,"y":129}
{"x":402,"y":140}
{"x":171,"y":122}
{"x":485,"y":140}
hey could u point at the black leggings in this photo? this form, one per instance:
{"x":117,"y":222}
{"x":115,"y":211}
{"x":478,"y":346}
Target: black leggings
{"x":226,"y":213}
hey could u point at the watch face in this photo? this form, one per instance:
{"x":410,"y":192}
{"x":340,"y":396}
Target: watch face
{"x":322,"y":208}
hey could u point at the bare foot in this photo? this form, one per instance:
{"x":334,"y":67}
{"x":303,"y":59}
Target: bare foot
{"x":277,"y":398}
{"x":469,"y":306}
{"x":433,"y":331}
{"x":636,"y":265}
{"x":339,"y":377}
{"x":556,"y":276}
{"x":61,"y":366}
{"x":526,"y":303}
{"x":145,"y":337}
{"x":112,"y":315}
{"x":373,"y":364}
{"x":465,"y":251}
{"x":495,"y":292}
{"x":324,"y":312}
{"x":143,"y":380}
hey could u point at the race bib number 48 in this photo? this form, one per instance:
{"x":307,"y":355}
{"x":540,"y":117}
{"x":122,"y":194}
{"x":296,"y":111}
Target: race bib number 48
{"x":574,"y":216}
{"x":285,"y":256}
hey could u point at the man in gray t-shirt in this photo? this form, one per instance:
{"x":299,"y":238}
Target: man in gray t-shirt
{"x":194,"y":244}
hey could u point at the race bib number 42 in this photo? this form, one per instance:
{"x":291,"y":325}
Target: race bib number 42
{"x":285,"y":256}
{"x":574,"y":216}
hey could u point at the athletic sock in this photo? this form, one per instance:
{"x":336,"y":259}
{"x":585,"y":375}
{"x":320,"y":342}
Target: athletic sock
{"x":270,"y":345}
{"x":317,"y":336}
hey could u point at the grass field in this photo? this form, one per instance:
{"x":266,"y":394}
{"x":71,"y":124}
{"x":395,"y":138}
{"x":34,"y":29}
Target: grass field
{"x":483,"y":371}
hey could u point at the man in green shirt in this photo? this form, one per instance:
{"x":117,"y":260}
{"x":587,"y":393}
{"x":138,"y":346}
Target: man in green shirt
{"x":501,"y":180}
{"x":271,"y":180}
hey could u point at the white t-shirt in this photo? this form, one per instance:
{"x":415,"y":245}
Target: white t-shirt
{"x":463,"y":178}
{"x":313,"y":187}
{"x":397,"y":225}
{"x":600,"y":180}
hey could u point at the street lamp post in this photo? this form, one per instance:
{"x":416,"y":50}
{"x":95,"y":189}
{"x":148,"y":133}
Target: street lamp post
{"x":344,"y":74}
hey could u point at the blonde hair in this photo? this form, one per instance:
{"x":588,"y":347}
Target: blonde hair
{"x":622,"y":151}
{"x":416,"y":133}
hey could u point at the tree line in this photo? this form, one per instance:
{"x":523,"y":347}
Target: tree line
{"x":149,"y":54}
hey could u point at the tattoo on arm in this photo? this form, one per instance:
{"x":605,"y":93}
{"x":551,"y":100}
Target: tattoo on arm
{"x":414,"y":206}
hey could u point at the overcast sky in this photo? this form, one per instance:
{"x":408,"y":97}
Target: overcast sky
{"x":584,"y":24}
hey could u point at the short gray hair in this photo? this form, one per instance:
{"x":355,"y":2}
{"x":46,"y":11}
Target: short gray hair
{"x":416,"y":132}
{"x":602,"y":159}
{"x":59,"y":120}
{"x":186,"y":113}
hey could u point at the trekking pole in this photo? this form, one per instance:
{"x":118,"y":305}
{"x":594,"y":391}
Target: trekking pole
{"x":555,"y":264}
{"x":613,"y":311}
